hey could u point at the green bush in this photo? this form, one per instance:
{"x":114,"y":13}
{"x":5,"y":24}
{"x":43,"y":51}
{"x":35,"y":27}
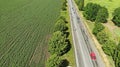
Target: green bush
{"x":58,"y":44}
{"x":116,"y":17}
{"x":77,"y":1}
{"x":60,"y":25}
{"x":54,"y":61}
{"x":116,"y":56}
{"x":81,"y":4}
{"x":102,"y":37}
{"x":98,"y":28}
{"x":102,"y":15}
{"x":64,"y":5}
{"x":109,"y":47}
{"x":90,"y":11}
{"x":62,"y":17}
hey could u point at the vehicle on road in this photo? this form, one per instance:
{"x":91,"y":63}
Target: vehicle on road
{"x":93,"y":56}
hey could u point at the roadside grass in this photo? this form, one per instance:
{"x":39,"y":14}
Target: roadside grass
{"x":110,"y":4}
{"x":117,"y":31}
{"x":70,"y":55}
{"x":111,"y":61}
{"x":90,"y":24}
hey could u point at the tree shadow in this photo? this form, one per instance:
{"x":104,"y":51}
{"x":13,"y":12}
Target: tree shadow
{"x":65,"y":63}
{"x":66,"y":34}
{"x":67,"y":49}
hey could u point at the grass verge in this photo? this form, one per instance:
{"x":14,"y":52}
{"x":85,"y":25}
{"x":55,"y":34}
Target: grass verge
{"x":70,"y":55}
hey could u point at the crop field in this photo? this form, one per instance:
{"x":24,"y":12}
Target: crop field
{"x":25,"y":27}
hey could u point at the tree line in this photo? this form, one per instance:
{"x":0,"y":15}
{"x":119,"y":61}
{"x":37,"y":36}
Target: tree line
{"x":59,"y":43}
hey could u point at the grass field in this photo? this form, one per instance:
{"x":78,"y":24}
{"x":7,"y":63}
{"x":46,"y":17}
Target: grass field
{"x":25,"y":27}
{"x":110,"y":4}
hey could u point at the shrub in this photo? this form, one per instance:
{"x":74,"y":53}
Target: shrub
{"x":77,"y":1}
{"x":54,"y":61}
{"x":60,"y":26}
{"x":81,"y":4}
{"x":64,"y":5}
{"x":98,"y":28}
{"x":90,"y":11}
{"x":109,"y":47}
{"x":58,"y":44}
{"x":116,"y":17}
{"x":102,"y":15}
{"x":102,"y":37}
{"x":116,"y":56}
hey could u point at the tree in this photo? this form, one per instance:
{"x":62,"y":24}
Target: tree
{"x":98,"y":28}
{"x":58,"y":44}
{"x":102,"y":37}
{"x":116,"y":56}
{"x":90,"y":11}
{"x":77,"y":2}
{"x":64,"y":5}
{"x":60,"y":26}
{"x":81,"y":4}
{"x":102,"y":15}
{"x":109,"y":47}
{"x":63,"y":18}
{"x":116,"y":17}
{"x":54,"y":61}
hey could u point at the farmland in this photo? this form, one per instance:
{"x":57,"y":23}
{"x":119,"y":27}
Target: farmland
{"x":25,"y":27}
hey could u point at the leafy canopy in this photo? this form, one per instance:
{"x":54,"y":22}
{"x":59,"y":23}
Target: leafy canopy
{"x":54,"y":61}
{"x":102,"y":15}
{"x":98,"y":28}
{"x":90,"y":11}
{"x":58,"y":44}
{"x":116,"y":17}
{"x":60,"y":26}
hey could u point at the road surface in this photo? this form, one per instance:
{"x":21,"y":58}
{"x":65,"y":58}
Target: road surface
{"x":83,"y":44}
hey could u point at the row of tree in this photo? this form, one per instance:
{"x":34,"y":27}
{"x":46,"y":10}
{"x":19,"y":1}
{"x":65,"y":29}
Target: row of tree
{"x":103,"y":37}
{"x":59,"y":43}
{"x":108,"y":45}
{"x":64,"y":5}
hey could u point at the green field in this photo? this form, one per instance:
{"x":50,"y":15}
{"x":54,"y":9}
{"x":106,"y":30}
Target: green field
{"x":110,"y":4}
{"x":25,"y":27}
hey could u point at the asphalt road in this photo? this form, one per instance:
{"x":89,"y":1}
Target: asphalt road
{"x":83,"y":43}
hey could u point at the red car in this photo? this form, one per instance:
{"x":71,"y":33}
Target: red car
{"x":93,"y":56}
